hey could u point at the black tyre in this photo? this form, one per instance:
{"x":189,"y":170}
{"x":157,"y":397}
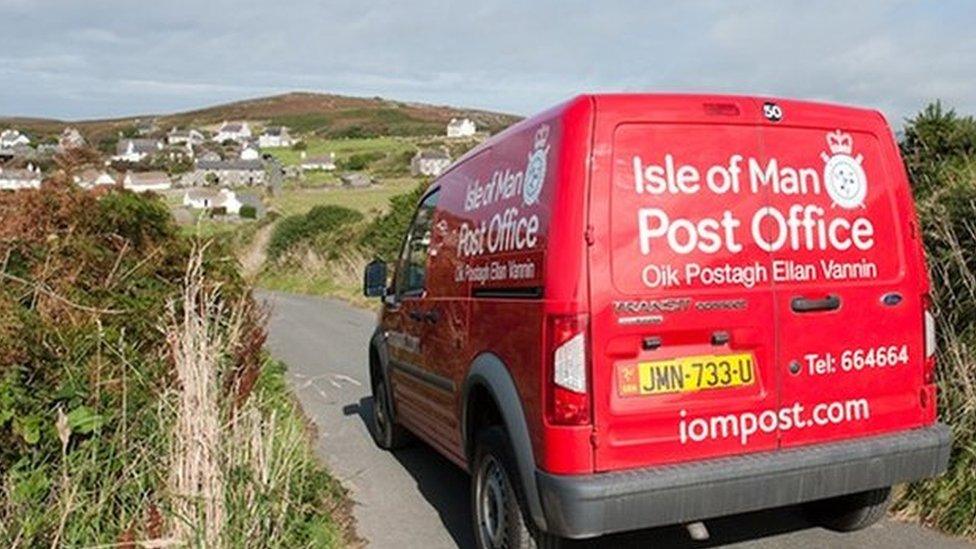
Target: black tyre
{"x":851,"y":512}
{"x":498,"y":507}
{"x":387,"y":433}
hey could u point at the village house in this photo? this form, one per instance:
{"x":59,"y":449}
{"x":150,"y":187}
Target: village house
{"x":13,"y":179}
{"x":430,"y":162}
{"x":10,"y":139}
{"x":136,"y":150}
{"x":47,"y":149}
{"x":249,"y":151}
{"x":91,"y":178}
{"x":210,"y":199}
{"x":461,"y":127}
{"x":189,"y":137}
{"x":275,"y":136}
{"x":145,"y":126}
{"x":18,"y":151}
{"x":178,"y":153}
{"x":71,"y":139}
{"x":210,"y":156}
{"x":230,"y":173}
{"x":325,"y":162}
{"x":233,"y":131}
{"x":141,"y":182}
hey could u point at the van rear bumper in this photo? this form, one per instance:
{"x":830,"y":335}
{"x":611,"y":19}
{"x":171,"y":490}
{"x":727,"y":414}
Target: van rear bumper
{"x":581,"y":506}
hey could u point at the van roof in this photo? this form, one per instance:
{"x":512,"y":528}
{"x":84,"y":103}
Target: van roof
{"x":832,"y":110}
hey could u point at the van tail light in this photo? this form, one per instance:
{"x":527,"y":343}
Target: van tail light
{"x":931,"y":342}
{"x":568,"y":395}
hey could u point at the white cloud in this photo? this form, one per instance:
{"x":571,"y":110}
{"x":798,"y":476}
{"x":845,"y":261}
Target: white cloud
{"x":101,"y":58}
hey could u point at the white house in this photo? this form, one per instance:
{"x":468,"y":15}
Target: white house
{"x":189,"y":137}
{"x":430,"y":162}
{"x":324,"y":162}
{"x":249,"y":151}
{"x":231,"y":173}
{"x":461,"y":127}
{"x":12,"y":179}
{"x":136,"y":150}
{"x":91,"y":178}
{"x":71,"y":139}
{"x":233,"y":131}
{"x":141,"y":182}
{"x":10,"y":139}
{"x":209,"y":199}
{"x":275,"y":136}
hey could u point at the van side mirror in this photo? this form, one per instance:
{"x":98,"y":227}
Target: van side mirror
{"x":374,"y":279}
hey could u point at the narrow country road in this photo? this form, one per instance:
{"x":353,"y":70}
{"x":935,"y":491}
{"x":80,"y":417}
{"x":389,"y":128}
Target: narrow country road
{"x":417,"y":499}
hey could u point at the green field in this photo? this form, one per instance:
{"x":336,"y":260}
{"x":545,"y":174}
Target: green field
{"x":370,"y":201}
{"x":343,"y":148}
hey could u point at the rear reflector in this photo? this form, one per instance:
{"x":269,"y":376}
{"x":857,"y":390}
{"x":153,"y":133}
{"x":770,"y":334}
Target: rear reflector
{"x":930,"y":343}
{"x":569,"y":364}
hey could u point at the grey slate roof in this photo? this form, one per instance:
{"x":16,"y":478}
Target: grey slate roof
{"x":232,"y":164}
{"x":144,"y":146}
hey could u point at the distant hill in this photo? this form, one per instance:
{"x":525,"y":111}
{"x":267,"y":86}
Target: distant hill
{"x":324,"y":114}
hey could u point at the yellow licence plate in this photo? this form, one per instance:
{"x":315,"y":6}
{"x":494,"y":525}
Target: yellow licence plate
{"x":686,"y":374}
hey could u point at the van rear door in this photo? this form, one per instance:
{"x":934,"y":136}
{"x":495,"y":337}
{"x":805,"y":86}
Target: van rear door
{"x":846,"y":272}
{"x":681,"y":304}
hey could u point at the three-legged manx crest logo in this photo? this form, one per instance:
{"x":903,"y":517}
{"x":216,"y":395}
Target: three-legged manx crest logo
{"x":844,"y":177}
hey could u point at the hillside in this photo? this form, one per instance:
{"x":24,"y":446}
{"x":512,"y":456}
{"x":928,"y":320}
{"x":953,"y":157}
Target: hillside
{"x":325,"y":114}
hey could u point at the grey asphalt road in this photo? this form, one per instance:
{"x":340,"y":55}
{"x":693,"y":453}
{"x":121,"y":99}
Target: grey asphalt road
{"x":416,"y":498}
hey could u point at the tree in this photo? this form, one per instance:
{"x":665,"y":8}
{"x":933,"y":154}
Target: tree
{"x":933,"y":138}
{"x":248,"y":212}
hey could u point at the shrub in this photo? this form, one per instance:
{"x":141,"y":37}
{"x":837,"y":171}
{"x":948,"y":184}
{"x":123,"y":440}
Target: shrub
{"x":361,"y":161}
{"x":80,"y":361}
{"x":936,"y":142}
{"x":248,"y":212}
{"x":90,"y":386}
{"x":354,"y":131}
{"x":939,"y":152}
{"x":296,"y":229}
{"x":384,"y":234}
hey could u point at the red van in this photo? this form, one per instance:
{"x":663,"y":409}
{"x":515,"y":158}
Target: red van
{"x":638,"y":310}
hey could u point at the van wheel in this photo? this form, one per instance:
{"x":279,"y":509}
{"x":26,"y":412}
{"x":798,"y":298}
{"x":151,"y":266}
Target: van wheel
{"x":851,"y":512}
{"x":498,"y":508}
{"x":386,"y":432}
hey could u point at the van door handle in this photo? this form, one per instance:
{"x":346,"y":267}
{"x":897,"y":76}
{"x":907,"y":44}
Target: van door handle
{"x":806,"y":305}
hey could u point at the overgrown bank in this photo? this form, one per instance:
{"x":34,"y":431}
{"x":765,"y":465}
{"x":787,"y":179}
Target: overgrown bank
{"x":136,"y":404}
{"x":940,"y":153}
{"x":324,"y":251}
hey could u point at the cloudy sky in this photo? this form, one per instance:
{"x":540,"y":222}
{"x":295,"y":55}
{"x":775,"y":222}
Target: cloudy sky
{"x":95,"y":58}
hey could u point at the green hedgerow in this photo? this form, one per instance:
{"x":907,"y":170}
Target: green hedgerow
{"x":303,"y":228}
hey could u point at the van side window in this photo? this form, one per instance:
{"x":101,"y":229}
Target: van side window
{"x":412,"y":271}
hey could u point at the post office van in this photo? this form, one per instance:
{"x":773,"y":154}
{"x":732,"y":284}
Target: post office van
{"x":641,"y":310}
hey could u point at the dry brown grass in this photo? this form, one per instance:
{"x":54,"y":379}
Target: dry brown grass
{"x":198,"y":346}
